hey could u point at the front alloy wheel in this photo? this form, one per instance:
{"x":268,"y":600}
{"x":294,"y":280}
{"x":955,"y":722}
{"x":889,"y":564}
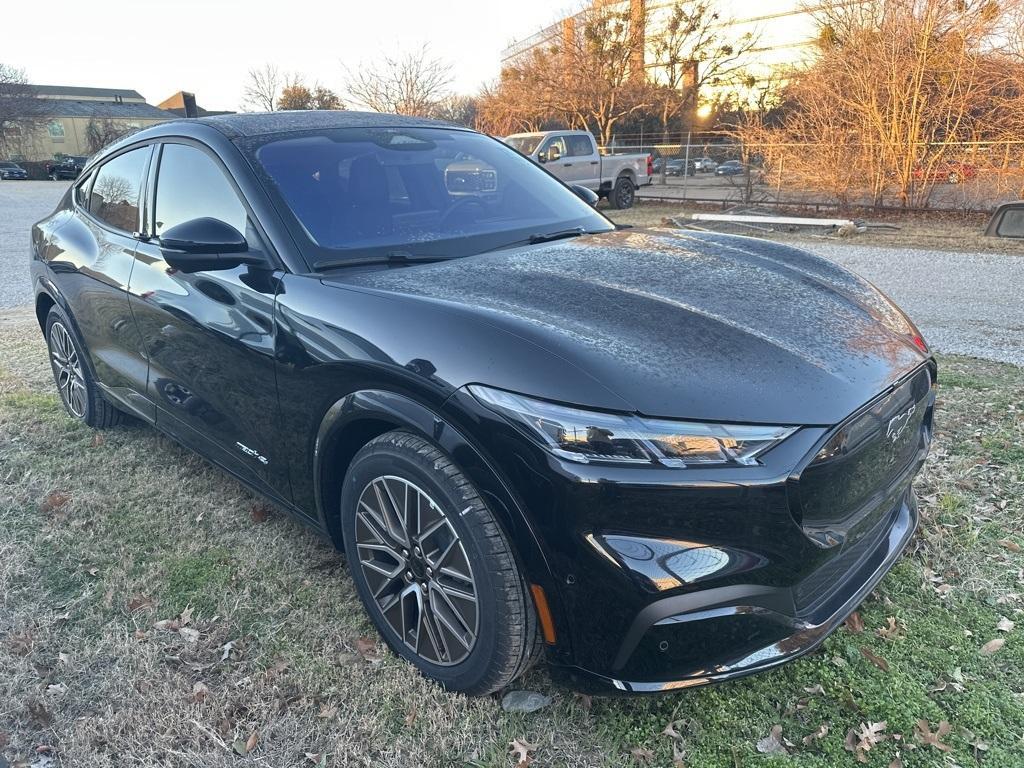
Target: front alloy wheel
{"x":417,"y":569}
{"x":433,"y":568}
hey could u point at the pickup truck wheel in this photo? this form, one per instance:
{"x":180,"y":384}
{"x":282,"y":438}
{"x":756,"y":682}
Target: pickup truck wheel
{"x":623,"y":194}
{"x":433,"y":568}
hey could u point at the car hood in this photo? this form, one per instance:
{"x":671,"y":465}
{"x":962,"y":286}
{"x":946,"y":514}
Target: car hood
{"x":680,"y":324}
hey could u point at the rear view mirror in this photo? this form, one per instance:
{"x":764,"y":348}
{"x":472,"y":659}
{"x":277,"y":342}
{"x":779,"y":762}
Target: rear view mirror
{"x":1007,"y":221}
{"x":589,"y":196}
{"x":204,"y":236}
{"x":205,"y":244}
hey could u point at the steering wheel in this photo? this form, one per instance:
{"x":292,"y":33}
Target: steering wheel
{"x":462,"y":204}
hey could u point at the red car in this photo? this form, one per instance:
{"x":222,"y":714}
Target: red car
{"x":950,"y":173}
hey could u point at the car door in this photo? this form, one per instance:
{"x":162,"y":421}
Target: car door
{"x":96,"y":246}
{"x":555,"y":165}
{"x":581,"y":163}
{"x":209,"y":335}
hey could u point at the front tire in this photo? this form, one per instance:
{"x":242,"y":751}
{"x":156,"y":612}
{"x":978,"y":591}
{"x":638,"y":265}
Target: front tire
{"x":623,"y":193}
{"x":433,"y":568}
{"x":75,"y":384}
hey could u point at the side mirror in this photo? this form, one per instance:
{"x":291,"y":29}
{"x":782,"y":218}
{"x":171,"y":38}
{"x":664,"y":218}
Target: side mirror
{"x":589,"y":196}
{"x":204,"y":244}
{"x":542,"y":157}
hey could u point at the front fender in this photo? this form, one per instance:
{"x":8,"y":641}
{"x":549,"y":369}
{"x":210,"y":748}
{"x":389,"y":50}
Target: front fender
{"x":352,"y":413}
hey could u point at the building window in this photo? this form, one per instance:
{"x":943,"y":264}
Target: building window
{"x":56,"y":129}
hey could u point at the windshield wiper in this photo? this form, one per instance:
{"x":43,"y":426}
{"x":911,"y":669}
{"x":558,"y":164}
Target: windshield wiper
{"x":392,"y":257}
{"x":546,"y":237}
{"x":559,"y":235}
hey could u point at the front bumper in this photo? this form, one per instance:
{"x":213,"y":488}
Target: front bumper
{"x":746,"y":630}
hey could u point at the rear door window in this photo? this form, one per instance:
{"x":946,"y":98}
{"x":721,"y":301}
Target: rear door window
{"x":117,"y":191}
{"x":579,"y":146}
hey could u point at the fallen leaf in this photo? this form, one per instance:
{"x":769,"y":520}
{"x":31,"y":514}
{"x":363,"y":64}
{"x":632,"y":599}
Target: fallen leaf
{"x":1005,"y":625}
{"x":992,"y":646}
{"x":874,"y":658}
{"x":891,"y":631}
{"x":54,"y":500}
{"x":410,"y":716}
{"x":63,"y":658}
{"x":820,"y":733}
{"x":641,"y":755}
{"x":252,"y":741}
{"x":138,"y":602}
{"x":186,"y":616}
{"x":367,"y":648}
{"x":896,"y":763}
{"x":328,"y":712}
{"x":259,"y":513}
{"x":171,"y":625}
{"x":39,"y":713}
{"x":319,"y":759}
{"x":869,"y":734}
{"x":520,"y":751}
{"x":923,"y":733}
{"x":815,"y":690}
{"x":56,"y":689}
{"x":239,"y":746}
{"x":190,"y":635}
{"x":97,"y":440}
{"x":1013,"y":546}
{"x":93,"y":572}
{"x":200,"y":692}
{"x":584,"y":700}
{"x":854,"y":623}
{"x":772,"y":743}
{"x":227,"y":648}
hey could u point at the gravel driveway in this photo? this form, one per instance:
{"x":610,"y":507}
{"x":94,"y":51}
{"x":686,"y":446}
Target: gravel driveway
{"x":964,"y":303}
{"x":22,"y":203}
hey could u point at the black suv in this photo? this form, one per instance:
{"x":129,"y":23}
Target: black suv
{"x":68,"y":167}
{"x":661,"y":458}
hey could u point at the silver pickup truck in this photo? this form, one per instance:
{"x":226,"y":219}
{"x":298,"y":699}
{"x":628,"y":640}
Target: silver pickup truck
{"x":572,"y":156}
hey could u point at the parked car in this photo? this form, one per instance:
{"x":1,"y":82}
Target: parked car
{"x":658,"y":458}
{"x":730,"y":168}
{"x":67,"y":167}
{"x":676,"y":167}
{"x":705,"y":165}
{"x":572,"y":156}
{"x":12,"y":171}
{"x":949,"y":173}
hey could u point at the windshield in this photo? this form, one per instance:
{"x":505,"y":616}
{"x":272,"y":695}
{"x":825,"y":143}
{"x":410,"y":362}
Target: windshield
{"x":4,"y":164}
{"x":525,"y":144}
{"x":367,"y":192}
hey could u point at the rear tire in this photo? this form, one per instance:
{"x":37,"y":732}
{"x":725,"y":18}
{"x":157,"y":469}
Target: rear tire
{"x":75,"y":383}
{"x":623,"y":193}
{"x":420,"y":542}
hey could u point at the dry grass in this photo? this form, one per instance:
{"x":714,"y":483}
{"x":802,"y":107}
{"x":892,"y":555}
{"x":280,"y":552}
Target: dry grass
{"x":939,"y":231}
{"x":102,"y":536}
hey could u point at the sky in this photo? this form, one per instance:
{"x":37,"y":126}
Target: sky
{"x":159,"y":47}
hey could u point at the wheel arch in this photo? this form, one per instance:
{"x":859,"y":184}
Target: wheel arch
{"x":357,"y":418}
{"x":627,"y":173}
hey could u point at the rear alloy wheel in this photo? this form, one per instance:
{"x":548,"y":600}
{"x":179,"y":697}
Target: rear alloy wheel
{"x":623,"y":193}
{"x":433,"y":568}
{"x":953,"y":178}
{"x":78,"y":391}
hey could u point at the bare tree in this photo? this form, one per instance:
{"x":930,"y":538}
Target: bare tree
{"x":21,"y":112}
{"x":898,"y":88}
{"x":263,"y":87}
{"x":457,"y":108}
{"x":690,"y":55}
{"x":412,"y":84}
{"x":101,"y":131}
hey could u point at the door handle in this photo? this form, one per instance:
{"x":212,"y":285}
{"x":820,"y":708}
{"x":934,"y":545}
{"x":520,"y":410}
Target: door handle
{"x":566,"y":165}
{"x":593,"y":162}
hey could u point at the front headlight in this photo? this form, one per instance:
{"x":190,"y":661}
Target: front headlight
{"x":587,"y":436}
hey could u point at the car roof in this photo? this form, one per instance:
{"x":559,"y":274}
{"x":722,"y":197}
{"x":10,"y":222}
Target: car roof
{"x":262,"y":123}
